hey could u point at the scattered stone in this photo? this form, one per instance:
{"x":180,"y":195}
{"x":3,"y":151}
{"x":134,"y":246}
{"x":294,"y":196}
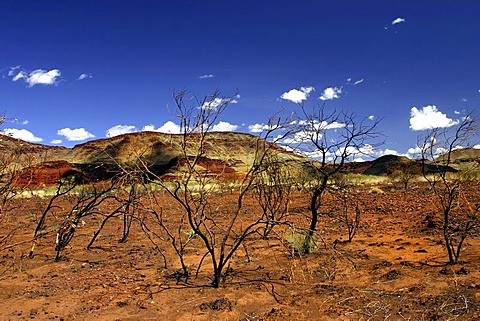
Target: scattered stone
{"x":121,"y":304}
{"x":462,"y":271}
{"x":477,"y":296}
{"x":217,"y":305}
{"x":391,"y":275}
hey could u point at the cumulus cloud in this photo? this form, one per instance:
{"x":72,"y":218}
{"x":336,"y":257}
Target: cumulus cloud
{"x":56,"y":141}
{"x":120,"y":129}
{"x":84,"y":76}
{"x":297,"y":96}
{"x":36,"y":77}
{"x":414,"y":152}
{"x":217,"y":102}
{"x":76,"y":134}
{"x":169,"y":127}
{"x":257,"y":128}
{"x":22,"y":134}
{"x":355,"y":154}
{"x":331,"y":93}
{"x":397,"y":21}
{"x":43,"y":77}
{"x":224,"y":126}
{"x":371,"y":117}
{"x":205,"y":76}
{"x":429,"y":117}
{"x":311,"y":131}
{"x":477,"y":146}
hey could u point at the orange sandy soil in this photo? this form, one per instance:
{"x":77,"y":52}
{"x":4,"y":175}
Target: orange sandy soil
{"x":395,"y":269}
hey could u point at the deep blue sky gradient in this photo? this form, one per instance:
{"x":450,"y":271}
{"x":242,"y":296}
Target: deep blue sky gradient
{"x":139,"y":52}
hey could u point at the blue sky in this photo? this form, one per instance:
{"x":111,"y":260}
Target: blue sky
{"x":78,"y":70}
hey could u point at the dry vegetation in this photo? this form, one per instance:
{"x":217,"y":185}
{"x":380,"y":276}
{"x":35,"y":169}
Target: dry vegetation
{"x":394,"y":267}
{"x":266,"y":236}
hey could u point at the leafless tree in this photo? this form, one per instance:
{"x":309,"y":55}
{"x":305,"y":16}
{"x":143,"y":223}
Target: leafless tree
{"x":350,"y":213}
{"x":404,"y":173}
{"x":12,"y":161}
{"x":329,"y":138}
{"x":64,"y":187}
{"x":88,"y":201}
{"x":192,"y":190}
{"x":459,"y":216}
{"x":272,"y":188}
{"x":126,"y":196}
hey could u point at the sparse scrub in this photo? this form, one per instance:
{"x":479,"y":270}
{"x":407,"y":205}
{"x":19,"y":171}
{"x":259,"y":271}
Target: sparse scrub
{"x":350,"y":213}
{"x":376,"y":190}
{"x":193,"y":191}
{"x":313,"y":136}
{"x":272,"y":188}
{"x":404,"y":173}
{"x":459,"y":216}
{"x":295,"y":241}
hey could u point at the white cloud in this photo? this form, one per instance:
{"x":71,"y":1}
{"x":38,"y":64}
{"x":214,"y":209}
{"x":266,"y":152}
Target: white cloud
{"x":119,"y":130}
{"x":349,"y":81}
{"x":20,"y":75}
{"x":311,"y":131}
{"x":429,"y":117}
{"x":22,"y":134}
{"x":477,"y":146}
{"x":16,"y":73}
{"x":169,"y":127}
{"x":76,"y":134}
{"x":334,"y":125}
{"x":302,"y":137}
{"x":84,"y":76}
{"x":390,"y":152}
{"x":15,"y":121}
{"x":456,"y":112}
{"x":297,"y":96}
{"x":13,"y":70}
{"x":464,"y":99}
{"x":56,"y":141}
{"x":205,"y":76}
{"x":398,"y":20}
{"x":414,"y":152}
{"x":257,"y":128}
{"x":371,"y":117}
{"x":224,"y":126}
{"x":331,"y":93}
{"x":36,"y":77}
{"x":217,"y":102}
{"x":43,"y":77}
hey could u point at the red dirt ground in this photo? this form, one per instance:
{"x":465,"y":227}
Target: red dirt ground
{"x":394,"y":269}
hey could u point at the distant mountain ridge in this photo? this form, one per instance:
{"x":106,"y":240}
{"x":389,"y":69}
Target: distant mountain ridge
{"x":225,"y":154}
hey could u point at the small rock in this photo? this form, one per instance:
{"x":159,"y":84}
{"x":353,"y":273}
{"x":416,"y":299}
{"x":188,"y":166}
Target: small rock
{"x":477,"y":296}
